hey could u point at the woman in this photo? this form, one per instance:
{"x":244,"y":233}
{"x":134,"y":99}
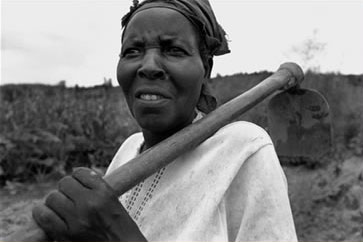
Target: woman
{"x":230,"y":188}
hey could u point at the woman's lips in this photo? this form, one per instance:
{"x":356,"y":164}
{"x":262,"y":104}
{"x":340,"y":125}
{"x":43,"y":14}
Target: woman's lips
{"x":151,"y":97}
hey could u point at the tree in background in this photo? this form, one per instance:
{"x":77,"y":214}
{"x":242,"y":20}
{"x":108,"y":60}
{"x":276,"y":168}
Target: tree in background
{"x":308,"y":52}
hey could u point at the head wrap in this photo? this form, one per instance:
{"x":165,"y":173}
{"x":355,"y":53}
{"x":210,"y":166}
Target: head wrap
{"x":199,"y":12}
{"x":201,"y":15}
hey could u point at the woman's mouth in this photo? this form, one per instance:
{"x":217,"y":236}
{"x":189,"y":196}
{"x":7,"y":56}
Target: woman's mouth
{"x":151,"y":97}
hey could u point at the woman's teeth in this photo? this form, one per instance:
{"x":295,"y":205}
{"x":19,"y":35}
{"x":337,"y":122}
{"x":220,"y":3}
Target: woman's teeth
{"x":150,"y":97}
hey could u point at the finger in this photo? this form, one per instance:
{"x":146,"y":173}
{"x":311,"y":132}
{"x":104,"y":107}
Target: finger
{"x":71,"y":188}
{"x":62,"y":206}
{"x":53,"y":226}
{"x":89,"y":178}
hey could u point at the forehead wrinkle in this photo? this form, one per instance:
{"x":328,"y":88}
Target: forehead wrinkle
{"x":166,"y":13}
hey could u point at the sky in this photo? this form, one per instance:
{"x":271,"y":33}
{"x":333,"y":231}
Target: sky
{"x":46,"y":41}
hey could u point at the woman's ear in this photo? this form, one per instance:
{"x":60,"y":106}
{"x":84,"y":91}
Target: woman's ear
{"x":208,"y":65}
{"x":207,"y":102}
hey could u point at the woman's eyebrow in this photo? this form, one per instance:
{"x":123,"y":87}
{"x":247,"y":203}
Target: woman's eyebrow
{"x":170,"y":39}
{"x":174,"y":40}
{"x":133,"y":41}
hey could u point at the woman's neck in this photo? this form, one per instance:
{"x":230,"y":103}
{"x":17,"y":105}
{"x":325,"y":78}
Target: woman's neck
{"x":153,"y":138}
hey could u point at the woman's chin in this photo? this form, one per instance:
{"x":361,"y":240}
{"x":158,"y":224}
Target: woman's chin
{"x":165,"y":122}
{"x":155,"y":125}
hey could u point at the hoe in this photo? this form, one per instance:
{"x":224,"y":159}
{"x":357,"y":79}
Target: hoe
{"x":299,"y":125}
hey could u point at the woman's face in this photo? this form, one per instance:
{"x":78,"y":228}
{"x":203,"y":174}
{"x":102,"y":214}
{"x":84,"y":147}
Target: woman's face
{"x":160,"y":69}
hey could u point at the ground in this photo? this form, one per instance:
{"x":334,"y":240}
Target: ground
{"x":327,"y":201}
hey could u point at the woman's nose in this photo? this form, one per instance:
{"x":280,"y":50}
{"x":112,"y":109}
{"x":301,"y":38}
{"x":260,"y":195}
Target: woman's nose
{"x":151,"y":67}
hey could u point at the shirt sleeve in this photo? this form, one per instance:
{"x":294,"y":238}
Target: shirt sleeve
{"x":257,"y":203}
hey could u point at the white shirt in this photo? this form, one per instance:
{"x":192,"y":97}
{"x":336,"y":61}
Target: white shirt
{"x":229,"y":188}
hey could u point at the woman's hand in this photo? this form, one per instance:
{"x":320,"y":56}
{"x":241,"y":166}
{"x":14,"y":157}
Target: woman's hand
{"x":85,"y":208}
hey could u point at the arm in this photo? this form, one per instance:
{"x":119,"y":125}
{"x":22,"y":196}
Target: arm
{"x":85,"y":208}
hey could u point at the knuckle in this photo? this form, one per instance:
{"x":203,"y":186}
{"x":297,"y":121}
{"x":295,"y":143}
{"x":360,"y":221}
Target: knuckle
{"x":52,"y":198}
{"x":37,"y":211}
{"x":79,"y":171}
{"x":97,"y":203}
{"x":41,"y":215}
{"x":93,"y":204}
{"x":77,"y":228}
{"x":109,"y":192}
{"x":64,"y":182}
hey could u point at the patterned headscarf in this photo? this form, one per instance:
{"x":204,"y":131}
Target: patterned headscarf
{"x":201,"y":15}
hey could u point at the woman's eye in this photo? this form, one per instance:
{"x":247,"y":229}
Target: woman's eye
{"x":175,"y":51}
{"x":131,"y":52}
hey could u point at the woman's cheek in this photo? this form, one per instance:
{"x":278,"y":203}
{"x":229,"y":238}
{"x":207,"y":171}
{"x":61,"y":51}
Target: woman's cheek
{"x":126,"y":71}
{"x":125,"y":79}
{"x":191,"y":72}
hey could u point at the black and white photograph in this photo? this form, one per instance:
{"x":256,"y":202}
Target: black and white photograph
{"x":181,"y":120}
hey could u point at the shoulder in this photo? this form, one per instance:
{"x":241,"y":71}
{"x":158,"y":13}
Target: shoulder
{"x":234,"y":144}
{"x":240,"y":132}
{"x":127,"y":151}
{"x":133,"y":140}
{"x":131,"y":144}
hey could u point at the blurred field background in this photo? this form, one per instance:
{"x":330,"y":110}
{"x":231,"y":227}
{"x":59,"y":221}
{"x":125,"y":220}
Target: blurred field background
{"x":47,"y":130}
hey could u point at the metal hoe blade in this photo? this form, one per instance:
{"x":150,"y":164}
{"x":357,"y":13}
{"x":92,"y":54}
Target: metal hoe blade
{"x":299,"y":123}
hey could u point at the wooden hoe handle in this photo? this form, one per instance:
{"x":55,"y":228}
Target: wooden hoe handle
{"x":130,"y":174}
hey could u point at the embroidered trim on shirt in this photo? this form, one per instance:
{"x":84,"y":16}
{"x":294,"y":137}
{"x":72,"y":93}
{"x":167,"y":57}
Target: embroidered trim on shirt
{"x":134,"y":198}
{"x":149,"y":193}
{"x":131,"y":199}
